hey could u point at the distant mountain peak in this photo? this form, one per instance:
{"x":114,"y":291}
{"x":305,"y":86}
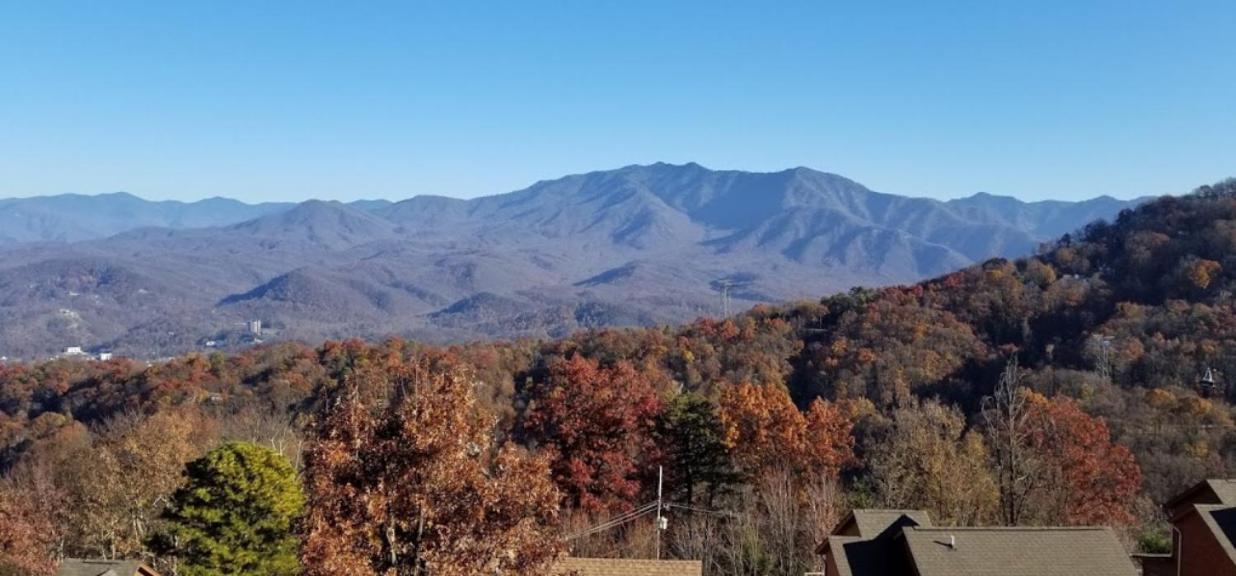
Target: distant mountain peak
{"x":637,"y":244}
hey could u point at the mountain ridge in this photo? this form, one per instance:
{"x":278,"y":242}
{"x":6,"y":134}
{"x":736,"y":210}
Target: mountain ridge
{"x":641,"y":243}
{"x":252,"y":210}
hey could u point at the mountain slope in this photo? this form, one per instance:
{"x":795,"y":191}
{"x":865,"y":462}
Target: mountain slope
{"x":640,"y":244}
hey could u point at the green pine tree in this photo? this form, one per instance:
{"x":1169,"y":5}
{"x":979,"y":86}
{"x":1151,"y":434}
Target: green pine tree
{"x":236,"y":514}
{"x":692,"y":441}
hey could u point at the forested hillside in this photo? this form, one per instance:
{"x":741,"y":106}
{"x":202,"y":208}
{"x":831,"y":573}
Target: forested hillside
{"x":1063,"y":388}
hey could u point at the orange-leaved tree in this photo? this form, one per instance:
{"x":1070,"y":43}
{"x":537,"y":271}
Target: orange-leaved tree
{"x":1055,"y":464}
{"x":403,"y":477}
{"x":27,"y":535}
{"x":766,"y":431}
{"x":1097,"y":478}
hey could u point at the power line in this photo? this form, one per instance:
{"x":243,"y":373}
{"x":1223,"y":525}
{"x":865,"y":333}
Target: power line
{"x":616,"y":521}
{"x":704,"y":510}
{"x":645,"y":511}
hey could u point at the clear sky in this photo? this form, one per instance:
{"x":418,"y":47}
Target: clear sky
{"x":287,"y":101}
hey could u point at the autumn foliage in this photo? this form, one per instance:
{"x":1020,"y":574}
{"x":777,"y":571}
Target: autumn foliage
{"x":765,"y":431}
{"x":402,"y":477}
{"x":597,"y":423}
{"x":1098,"y":479}
{"x":27,"y":535}
{"x":458,"y":459}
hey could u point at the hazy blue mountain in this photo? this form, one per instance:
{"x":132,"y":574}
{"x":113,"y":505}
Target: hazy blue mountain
{"x":75,"y":217}
{"x":1049,"y":218}
{"x":636,"y":245}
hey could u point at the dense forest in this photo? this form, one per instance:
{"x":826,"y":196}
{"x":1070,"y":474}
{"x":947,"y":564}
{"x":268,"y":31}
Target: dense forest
{"x":1065,"y":388}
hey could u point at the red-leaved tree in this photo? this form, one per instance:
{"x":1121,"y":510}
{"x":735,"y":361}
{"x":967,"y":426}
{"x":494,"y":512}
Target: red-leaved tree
{"x":1095,"y":479}
{"x":597,"y":421}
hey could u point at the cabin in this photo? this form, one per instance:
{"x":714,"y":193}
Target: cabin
{"x":83,"y":567}
{"x":627,"y":567}
{"x":896,"y":542}
{"x":1203,"y":522}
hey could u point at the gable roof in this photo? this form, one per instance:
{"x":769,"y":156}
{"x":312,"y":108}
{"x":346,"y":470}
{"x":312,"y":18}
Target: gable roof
{"x":82,"y":567}
{"x":1209,"y":491}
{"x":867,"y":523}
{"x":1221,"y":521}
{"x":1224,"y":489}
{"x":855,"y":556}
{"x":860,"y":544}
{"x":1017,"y":552}
{"x":628,"y":567}
{"x":871,"y":522}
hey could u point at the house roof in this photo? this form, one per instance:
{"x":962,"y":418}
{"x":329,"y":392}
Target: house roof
{"x":871,"y":523}
{"x":1221,"y":521}
{"x":628,"y":567}
{"x":1210,"y":491}
{"x":856,"y":556}
{"x":81,"y":567}
{"x":1017,"y":552}
{"x":1225,"y":489}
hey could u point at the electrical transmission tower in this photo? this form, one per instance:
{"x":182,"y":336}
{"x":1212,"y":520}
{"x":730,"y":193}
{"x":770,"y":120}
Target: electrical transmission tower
{"x":725,"y":286}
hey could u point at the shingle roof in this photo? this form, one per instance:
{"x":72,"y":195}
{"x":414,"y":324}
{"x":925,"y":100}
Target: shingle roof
{"x":80,"y":567}
{"x":869,"y":523}
{"x":1018,"y":552}
{"x":855,"y":556}
{"x":863,"y":544}
{"x":1221,"y":521}
{"x":628,"y":567}
{"x":1225,"y":489}
{"x":872,"y":522}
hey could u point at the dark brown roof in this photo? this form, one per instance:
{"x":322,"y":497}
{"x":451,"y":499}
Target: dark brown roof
{"x":1017,"y":552}
{"x":80,"y":567}
{"x":628,"y":567}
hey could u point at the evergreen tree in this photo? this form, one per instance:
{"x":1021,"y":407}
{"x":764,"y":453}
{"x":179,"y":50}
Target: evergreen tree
{"x":692,"y":442}
{"x":236,"y":513}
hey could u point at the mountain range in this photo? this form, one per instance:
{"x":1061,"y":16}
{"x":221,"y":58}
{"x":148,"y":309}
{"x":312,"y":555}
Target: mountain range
{"x":638,"y":245}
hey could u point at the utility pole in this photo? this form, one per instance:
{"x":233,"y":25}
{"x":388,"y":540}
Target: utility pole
{"x":660,"y":521}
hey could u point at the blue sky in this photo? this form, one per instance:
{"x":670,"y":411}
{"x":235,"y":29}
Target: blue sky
{"x":287,"y":101}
